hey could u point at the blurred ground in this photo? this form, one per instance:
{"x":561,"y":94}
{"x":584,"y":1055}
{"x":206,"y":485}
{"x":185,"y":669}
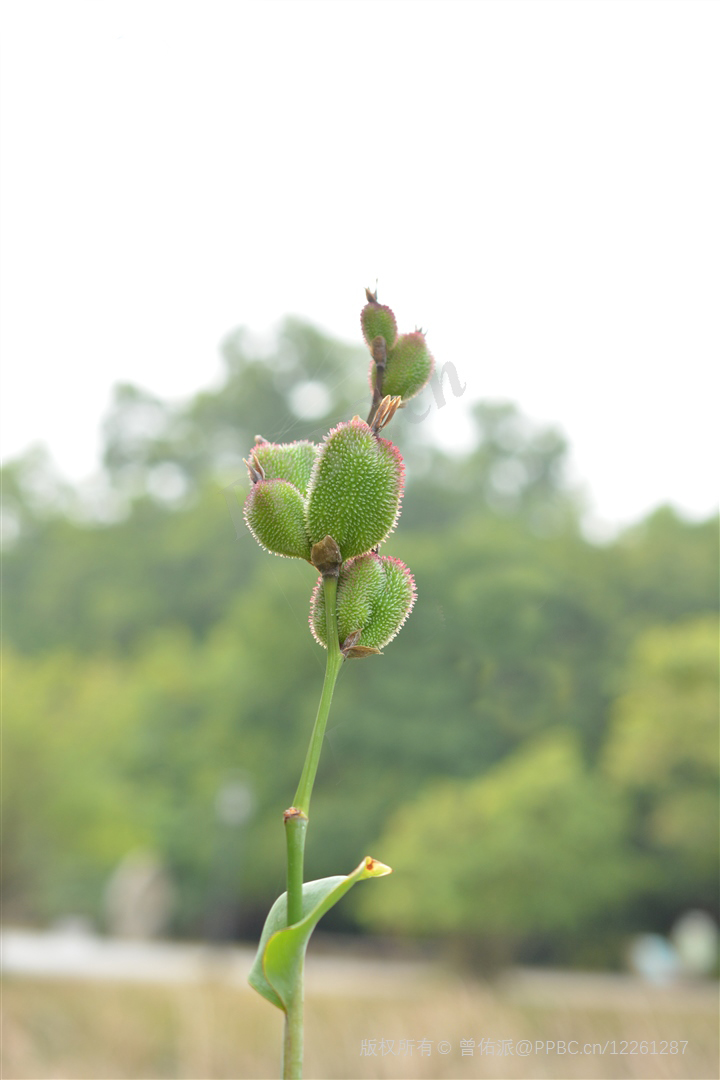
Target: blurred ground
{"x":195,"y":1018}
{"x":68,"y":954}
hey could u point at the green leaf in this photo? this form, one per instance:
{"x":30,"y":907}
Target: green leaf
{"x":276,"y":970}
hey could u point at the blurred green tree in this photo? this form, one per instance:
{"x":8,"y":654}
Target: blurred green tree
{"x":664,"y":751}
{"x":292,"y":387}
{"x":533,"y":847}
{"x":67,"y":808}
{"x":156,"y":606}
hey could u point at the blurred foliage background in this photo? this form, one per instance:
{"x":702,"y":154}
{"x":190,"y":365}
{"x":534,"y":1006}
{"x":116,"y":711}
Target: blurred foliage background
{"x":536,"y":756}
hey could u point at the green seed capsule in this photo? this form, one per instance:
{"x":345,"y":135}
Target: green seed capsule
{"x":355,"y":489}
{"x":377,"y":320}
{"x":274,"y":514}
{"x":409,"y":366}
{"x":375,"y":596}
{"x":286,"y":461}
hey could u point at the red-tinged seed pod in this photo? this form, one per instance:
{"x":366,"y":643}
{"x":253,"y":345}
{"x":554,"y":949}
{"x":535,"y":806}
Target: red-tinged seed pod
{"x":286,"y":461}
{"x":408,"y":367}
{"x":375,"y":595}
{"x":377,"y":320}
{"x":355,"y":489}
{"x":274,"y":514}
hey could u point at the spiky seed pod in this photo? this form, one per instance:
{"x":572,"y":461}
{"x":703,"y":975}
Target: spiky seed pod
{"x":409,"y":366}
{"x":375,"y":596}
{"x":286,"y":461}
{"x":355,"y":489}
{"x":377,"y":320}
{"x":274,"y":513}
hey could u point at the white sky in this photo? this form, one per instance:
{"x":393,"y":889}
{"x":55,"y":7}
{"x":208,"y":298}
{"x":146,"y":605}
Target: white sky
{"x":536,"y":184}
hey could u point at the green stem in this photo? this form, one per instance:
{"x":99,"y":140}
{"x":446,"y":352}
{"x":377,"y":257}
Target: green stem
{"x":334,"y":663}
{"x":293,"y":1040}
{"x":296,"y":822}
{"x":295,"y":830}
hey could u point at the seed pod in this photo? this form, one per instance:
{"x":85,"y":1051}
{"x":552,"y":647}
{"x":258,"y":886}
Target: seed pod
{"x":355,"y":489}
{"x":409,"y":366}
{"x":286,"y":461}
{"x":375,"y":596}
{"x":274,"y":514}
{"x":377,"y":320}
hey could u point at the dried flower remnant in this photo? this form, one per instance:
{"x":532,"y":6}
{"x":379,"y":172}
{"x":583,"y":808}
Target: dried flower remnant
{"x":384,"y":413}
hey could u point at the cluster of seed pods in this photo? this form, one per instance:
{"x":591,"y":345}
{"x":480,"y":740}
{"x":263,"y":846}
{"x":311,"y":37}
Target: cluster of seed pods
{"x":348,"y":488}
